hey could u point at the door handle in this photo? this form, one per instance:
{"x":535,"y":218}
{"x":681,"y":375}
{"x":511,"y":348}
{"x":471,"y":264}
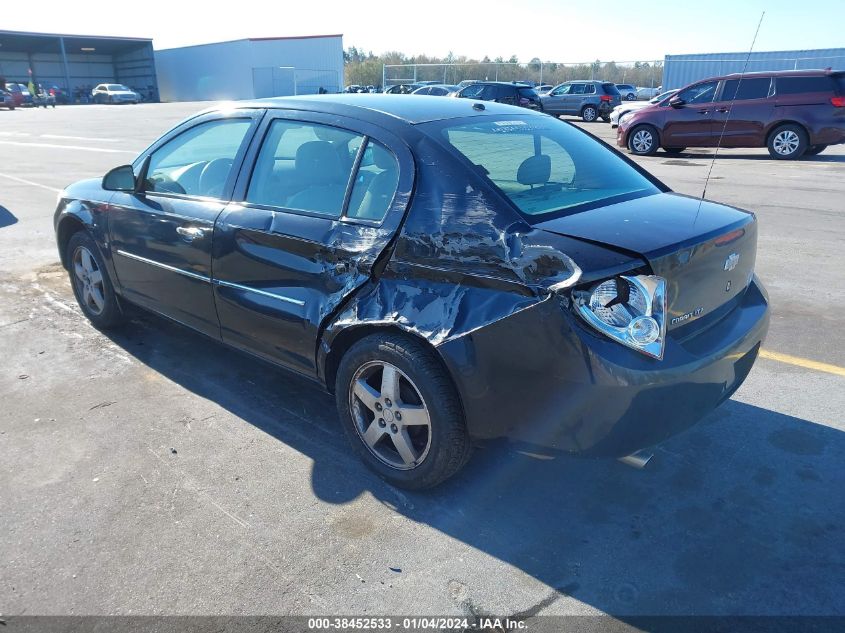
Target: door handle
{"x":190,"y":233}
{"x":722,"y":110}
{"x":705,"y":111}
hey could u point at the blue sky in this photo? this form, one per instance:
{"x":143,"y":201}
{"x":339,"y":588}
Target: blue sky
{"x":552,"y":30}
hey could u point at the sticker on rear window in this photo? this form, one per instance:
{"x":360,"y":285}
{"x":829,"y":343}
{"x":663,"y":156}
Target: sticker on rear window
{"x":508,"y":123}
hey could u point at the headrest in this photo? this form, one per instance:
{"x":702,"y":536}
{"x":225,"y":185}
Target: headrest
{"x":317,"y":163}
{"x":535,"y":170}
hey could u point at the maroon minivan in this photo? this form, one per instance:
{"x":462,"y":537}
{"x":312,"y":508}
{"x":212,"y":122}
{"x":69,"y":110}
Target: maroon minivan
{"x":793,"y":113}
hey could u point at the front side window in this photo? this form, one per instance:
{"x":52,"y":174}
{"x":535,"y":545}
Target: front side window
{"x":751,"y":88}
{"x":561,"y":90}
{"x":199,"y":161}
{"x":546,"y":167}
{"x":699,"y":93}
{"x":304,"y":167}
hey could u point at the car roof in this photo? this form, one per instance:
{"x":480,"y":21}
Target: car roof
{"x":778,"y":73}
{"x":409,"y":108}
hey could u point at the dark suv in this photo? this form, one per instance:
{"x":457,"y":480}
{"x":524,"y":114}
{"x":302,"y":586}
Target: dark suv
{"x":793,"y":113}
{"x":587,"y":99}
{"x":502,"y":92}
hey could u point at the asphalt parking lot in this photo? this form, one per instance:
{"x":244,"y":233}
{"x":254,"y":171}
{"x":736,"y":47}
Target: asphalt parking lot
{"x":151,"y":471}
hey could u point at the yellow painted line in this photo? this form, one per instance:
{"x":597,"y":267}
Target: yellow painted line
{"x":803,"y":362}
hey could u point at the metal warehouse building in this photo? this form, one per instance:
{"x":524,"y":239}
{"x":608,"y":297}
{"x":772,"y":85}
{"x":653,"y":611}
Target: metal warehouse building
{"x":251,"y":68}
{"x":681,"y":70}
{"x":77,"y":63}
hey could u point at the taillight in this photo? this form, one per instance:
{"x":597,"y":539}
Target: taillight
{"x":523,"y":101}
{"x":605,"y":98}
{"x":839,"y":102}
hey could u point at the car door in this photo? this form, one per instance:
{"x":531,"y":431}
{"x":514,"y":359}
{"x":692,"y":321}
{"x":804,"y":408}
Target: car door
{"x":689,"y":123}
{"x":161,"y":236}
{"x":320,"y":198}
{"x":575,"y":98}
{"x":555,"y":101}
{"x":741,"y":112}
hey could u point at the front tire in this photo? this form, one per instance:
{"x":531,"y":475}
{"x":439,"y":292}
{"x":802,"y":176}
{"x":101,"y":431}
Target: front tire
{"x":643,"y":140}
{"x":589,"y":113}
{"x":91,"y":284}
{"x":631,"y":96}
{"x":787,"y":142}
{"x":401,"y":411}
{"x":673,"y":150}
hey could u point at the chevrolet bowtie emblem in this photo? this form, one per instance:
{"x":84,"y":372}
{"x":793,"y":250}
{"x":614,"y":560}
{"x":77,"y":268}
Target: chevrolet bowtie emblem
{"x":731,"y":261}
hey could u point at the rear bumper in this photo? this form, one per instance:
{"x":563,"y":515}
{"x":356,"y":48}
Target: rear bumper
{"x":541,"y":378}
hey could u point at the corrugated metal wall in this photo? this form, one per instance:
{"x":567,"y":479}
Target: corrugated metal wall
{"x":244,"y":69}
{"x":681,"y":70}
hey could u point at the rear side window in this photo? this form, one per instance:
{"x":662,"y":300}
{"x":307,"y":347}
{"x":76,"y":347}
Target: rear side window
{"x":753,"y":88}
{"x":473,"y":91}
{"x":375,"y":184}
{"x":798,"y":85}
{"x":304,"y":167}
{"x":610,"y":89}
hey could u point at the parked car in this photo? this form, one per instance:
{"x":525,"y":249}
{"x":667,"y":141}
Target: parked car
{"x":502,"y":92}
{"x":60,"y":94}
{"x":25,"y":95}
{"x":114,"y":93}
{"x":401,"y":89}
{"x":466,"y":82}
{"x":793,"y":113}
{"x":543,"y":88}
{"x":631,"y":106}
{"x":627,"y":91}
{"x":448,"y":272}
{"x":43,"y":98}
{"x":648,"y":93}
{"x":6,"y":99}
{"x":17,"y":95}
{"x":587,"y":99}
{"x":436,"y":90}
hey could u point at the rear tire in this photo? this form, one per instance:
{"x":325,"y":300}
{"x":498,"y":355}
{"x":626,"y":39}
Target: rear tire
{"x":91,"y":284}
{"x":589,"y":113}
{"x":787,"y":142}
{"x":606,"y":118}
{"x":438,"y":438}
{"x":643,"y":140}
{"x":631,"y":96}
{"x":815,"y":149}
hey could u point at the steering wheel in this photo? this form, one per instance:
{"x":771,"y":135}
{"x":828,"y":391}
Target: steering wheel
{"x":163,"y":182}
{"x":213,"y":176}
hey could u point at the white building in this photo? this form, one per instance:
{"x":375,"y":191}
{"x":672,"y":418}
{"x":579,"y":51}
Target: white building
{"x":251,"y":69}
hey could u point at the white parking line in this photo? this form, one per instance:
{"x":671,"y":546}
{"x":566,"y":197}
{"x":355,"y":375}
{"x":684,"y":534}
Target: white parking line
{"x":81,"y":138}
{"x":79,"y":148}
{"x":29,"y":182}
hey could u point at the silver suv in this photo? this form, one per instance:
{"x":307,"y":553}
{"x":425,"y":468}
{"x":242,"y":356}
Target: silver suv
{"x":587,"y":99}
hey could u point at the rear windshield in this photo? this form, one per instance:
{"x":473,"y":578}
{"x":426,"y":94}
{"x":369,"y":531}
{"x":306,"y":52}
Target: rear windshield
{"x":527,"y":92}
{"x":610,"y":89}
{"x":545,"y":166}
{"x":797,"y":85}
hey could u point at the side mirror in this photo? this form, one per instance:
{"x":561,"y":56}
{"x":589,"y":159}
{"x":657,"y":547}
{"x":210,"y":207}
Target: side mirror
{"x":676,"y":102}
{"x":120,"y":179}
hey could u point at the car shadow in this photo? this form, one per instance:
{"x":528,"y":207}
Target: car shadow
{"x":7,"y":218}
{"x":743,"y":514}
{"x":722,"y":156}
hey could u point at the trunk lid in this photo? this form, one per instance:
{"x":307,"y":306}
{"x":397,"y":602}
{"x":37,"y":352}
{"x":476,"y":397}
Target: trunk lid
{"x":706,"y":255}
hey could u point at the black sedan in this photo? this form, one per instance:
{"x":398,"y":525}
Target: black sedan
{"x":449,"y":269}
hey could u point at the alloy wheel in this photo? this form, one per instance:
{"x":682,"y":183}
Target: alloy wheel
{"x":390,"y":415}
{"x":590,"y":114}
{"x":786,"y":142}
{"x":89,"y":280}
{"x":642,"y":141}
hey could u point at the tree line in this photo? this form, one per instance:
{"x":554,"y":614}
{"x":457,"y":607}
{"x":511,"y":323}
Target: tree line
{"x":365,"y":69}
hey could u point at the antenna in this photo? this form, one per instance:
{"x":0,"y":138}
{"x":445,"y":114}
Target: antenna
{"x":728,"y":116}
